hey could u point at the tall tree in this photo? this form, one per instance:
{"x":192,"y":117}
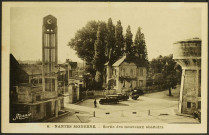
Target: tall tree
{"x":119,"y":42}
{"x":83,"y":42}
{"x":141,"y":49}
{"x":170,"y":73}
{"x":167,"y":69}
{"x":110,"y":41}
{"x":129,"y":43}
{"x":157,"y":64}
{"x":99,"y":57}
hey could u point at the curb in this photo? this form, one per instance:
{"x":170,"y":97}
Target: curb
{"x":59,"y":116}
{"x":181,"y":114}
{"x":80,"y":101}
{"x":185,"y":115}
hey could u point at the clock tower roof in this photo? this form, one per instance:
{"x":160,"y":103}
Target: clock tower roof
{"x":49,"y":20}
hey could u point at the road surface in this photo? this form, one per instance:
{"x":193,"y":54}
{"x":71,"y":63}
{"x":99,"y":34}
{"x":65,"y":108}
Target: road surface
{"x":149,"y":108}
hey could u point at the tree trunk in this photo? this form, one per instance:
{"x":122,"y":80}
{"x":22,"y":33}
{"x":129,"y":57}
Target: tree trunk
{"x":169,"y":91}
{"x":99,"y":80}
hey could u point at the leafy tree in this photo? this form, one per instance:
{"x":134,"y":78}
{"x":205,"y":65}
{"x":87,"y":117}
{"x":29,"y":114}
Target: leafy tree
{"x":157,"y":64}
{"x":129,"y":43}
{"x":110,"y":41}
{"x":169,"y":72}
{"x":83,"y":42}
{"x":99,"y":57}
{"x":119,"y":43}
{"x":140,"y":49}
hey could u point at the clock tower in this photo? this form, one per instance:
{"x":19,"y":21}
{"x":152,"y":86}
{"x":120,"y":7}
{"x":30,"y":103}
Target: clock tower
{"x":49,"y":54}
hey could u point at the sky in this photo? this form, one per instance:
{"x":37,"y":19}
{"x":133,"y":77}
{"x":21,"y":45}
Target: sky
{"x":161,"y":25}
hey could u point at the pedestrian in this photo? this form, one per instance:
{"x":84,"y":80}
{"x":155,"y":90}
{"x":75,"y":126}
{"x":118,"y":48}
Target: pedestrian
{"x":95,"y":103}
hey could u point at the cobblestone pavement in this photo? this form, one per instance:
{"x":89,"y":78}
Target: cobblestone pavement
{"x":131,"y":111}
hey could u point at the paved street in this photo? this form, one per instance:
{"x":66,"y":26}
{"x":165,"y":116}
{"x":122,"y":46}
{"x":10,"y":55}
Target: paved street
{"x":161,"y":108}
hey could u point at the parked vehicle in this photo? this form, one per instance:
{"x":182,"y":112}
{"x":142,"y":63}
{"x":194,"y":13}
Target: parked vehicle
{"x":197,"y":115}
{"x":135,"y":96}
{"x":110,"y":99}
{"x":122,"y":96}
{"x":136,"y":93}
{"x":140,"y":92}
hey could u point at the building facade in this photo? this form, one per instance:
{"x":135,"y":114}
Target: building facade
{"x":187,"y":54}
{"x":125,"y":76}
{"x":75,"y":81}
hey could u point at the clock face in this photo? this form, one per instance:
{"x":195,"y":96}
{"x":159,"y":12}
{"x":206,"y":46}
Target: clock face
{"x":49,"y":21}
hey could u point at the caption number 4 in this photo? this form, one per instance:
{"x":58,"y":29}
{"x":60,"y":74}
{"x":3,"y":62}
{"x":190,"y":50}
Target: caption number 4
{"x":48,"y":126}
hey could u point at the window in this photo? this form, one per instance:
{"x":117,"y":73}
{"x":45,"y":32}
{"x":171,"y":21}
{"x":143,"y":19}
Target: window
{"x":115,"y":72}
{"x":124,"y":83}
{"x":49,"y":84}
{"x":131,"y":85}
{"x":124,"y":71}
{"x":115,"y":83}
{"x":38,"y":108}
{"x":38,"y":98}
{"x":70,"y":73}
{"x":199,"y":89}
{"x":199,"y":104}
{"x":137,"y":72}
{"x":188,"y":104}
{"x":131,"y":72}
{"x":141,"y":72}
{"x":40,"y":80}
{"x":140,"y":83}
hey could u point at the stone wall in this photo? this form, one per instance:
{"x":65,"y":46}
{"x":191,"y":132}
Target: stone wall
{"x":37,"y":112}
{"x":50,"y":94}
{"x":27,"y":94}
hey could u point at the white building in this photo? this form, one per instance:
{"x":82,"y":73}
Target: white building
{"x":124,"y":76}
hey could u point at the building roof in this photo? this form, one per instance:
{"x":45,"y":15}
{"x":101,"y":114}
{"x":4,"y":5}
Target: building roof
{"x":62,"y":69}
{"x":120,"y":61}
{"x":196,"y":39}
{"x":73,"y":65}
{"x":106,"y":63}
{"x":31,"y":69}
{"x":157,"y":76}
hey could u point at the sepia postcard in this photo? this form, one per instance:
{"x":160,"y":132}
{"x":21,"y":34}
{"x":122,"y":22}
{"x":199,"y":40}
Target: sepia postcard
{"x":104,"y":67}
